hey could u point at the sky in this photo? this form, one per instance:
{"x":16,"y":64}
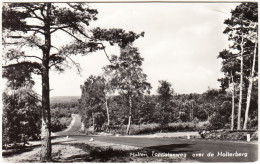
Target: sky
{"x":181,"y":44}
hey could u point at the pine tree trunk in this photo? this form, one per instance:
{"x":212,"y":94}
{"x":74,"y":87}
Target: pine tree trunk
{"x":250,"y":89}
{"x":46,"y":116}
{"x":46,"y":120}
{"x":108,"y":118}
{"x":130,"y":116}
{"x":233,"y":104}
{"x":241,"y":86}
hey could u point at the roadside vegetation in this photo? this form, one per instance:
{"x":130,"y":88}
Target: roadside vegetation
{"x":21,"y":119}
{"x":188,"y":112}
{"x":61,"y":114}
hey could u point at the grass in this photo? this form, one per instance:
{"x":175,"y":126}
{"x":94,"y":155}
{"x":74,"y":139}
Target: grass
{"x":99,"y":154}
{"x":17,"y":150}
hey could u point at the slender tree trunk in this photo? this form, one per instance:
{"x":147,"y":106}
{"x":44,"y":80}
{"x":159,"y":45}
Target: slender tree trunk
{"x":191,"y":113}
{"x":46,"y":116}
{"x":241,"y":86}
{"x":130,"y":116}
{"x":250,"y":89}
{"x":108,"y":118}
{"x":93,"y":117}
{"x":233,"y":103}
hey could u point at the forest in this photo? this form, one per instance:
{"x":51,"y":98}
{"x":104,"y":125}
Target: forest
{"x":119,"y":100}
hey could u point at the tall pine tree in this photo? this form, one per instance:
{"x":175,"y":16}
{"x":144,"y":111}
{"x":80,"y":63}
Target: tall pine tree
{"x":29,"y":31}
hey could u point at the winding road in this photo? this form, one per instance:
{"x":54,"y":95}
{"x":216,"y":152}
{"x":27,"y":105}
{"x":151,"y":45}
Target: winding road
{"x":195,"y":149}
{"x":73,"y":129}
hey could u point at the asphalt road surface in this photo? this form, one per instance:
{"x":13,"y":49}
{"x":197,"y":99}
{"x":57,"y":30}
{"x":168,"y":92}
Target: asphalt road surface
{"x":199,"y":150}
{"x":73,"y":128}
{"x":195,"y":149}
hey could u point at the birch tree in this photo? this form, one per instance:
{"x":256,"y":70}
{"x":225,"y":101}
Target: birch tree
{"x":241,"y":28}
{"x":128,"y":77}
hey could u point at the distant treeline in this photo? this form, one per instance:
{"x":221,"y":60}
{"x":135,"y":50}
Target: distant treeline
{"x":61,"y":110}
{"x":64,"y":104}
{"x":64,"y":99}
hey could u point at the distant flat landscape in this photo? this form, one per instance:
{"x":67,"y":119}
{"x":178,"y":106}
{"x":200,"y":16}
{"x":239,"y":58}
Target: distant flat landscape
{"x":64,"y":99}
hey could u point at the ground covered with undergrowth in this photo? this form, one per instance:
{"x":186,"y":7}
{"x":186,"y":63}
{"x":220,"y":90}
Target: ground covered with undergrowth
{"x":87,"y":152}
{"x":230,"y":135}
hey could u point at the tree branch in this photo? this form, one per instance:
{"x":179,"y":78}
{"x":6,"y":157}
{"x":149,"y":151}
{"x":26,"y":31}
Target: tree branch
{"x":82,"y":33}
{"x":33,"y":57}
{"x":35,"y":26}
{"x":104,"y":48}
{"x":36,"y":16}
{"x":34,"y":65}
{"x":75,"y":63}
{"x":54,"y":63}
{"x":36,"y":31}
{"x":33,"y":97}
{"x":72,"y":35}
{"x":42,"y":11}
{"x":58,"y":28}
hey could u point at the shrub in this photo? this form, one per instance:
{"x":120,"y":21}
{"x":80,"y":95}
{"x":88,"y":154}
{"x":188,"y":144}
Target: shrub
{"x":117,"y":129}
{"x":65,"y":121}
{"x":196,"y":120}
{"x":156,"y":128}
{"x":253,"y":123}
{"x":145,"y":129}
{"x":21,"y":117}
{"x":229,"y":135}
{"x":216,"y":122}
{"x":58,"y":124}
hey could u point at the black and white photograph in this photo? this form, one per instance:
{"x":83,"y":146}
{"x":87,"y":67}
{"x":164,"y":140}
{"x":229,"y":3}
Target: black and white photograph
{"x":129,"y":81}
